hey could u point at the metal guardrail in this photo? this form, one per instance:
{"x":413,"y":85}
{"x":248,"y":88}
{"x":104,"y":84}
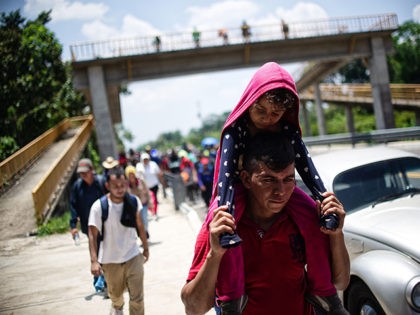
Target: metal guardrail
{"x":23,"y":157}
{"x":375,"y":136}
{"x":43,"y":193}
{"x":179,"y":191}
{"x":209,"y":38}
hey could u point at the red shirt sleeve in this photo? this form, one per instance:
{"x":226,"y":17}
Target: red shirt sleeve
{"x":202,"y":247}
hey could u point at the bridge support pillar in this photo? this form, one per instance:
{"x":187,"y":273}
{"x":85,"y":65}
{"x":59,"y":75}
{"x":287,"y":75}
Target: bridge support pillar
{"x":104,"y":129}
{"x":306,"y":125}
{"x":322,"y":126}
{"x":349,"y":118}
{"x":381,"y":92}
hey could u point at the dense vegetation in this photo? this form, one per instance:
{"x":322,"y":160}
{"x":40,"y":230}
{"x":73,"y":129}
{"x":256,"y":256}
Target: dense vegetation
{"x":35,"y":85}
{"x":36,"y":88}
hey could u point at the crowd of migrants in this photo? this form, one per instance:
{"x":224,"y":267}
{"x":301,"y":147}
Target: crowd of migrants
{"x":131,"y":180}
{"x":194,"y":165}
{"x":145,"y":172}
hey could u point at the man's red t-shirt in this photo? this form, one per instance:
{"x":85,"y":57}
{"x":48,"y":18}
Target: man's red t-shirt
{"x":274,"y":266}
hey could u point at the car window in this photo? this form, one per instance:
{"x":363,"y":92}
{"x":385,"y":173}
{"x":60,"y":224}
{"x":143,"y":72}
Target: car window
{"x":411,"y":169}
{"x":365,"y":185}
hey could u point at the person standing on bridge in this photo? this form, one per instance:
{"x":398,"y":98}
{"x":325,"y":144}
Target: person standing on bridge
{"x":269,"y":103}
{"x":223,"y":33}
{"x":285,"y":29}
{"x":246,"y":31}
{"x":157,"y":42}
{"x":196,"y":37}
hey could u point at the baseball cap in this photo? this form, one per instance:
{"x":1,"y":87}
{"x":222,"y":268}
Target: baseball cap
{"x":84,"y":165}
{"x":145,"y":156}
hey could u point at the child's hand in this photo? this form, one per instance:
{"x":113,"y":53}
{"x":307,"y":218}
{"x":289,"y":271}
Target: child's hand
{"x":331,"y":205}
{"x":222,"y":222}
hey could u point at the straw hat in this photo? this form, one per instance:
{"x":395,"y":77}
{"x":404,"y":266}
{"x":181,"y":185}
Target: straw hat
{"x":110,"y":162}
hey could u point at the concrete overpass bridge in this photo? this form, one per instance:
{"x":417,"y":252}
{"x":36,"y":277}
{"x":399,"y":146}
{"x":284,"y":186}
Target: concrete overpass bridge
{"x":100,"y":68}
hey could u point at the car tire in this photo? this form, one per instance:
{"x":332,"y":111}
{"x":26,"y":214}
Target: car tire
{"x":360,"y":300}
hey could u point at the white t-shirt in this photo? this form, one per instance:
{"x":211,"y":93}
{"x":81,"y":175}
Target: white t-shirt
{"x":150,"y":173}
{"x":120,"y":242}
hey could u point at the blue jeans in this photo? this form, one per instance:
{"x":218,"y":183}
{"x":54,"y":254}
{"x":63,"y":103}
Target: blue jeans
{"x":144,"y":217}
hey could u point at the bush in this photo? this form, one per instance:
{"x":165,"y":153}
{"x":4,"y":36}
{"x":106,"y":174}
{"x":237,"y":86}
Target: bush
{"x":8,"y":146}
{"x":55,"y":225}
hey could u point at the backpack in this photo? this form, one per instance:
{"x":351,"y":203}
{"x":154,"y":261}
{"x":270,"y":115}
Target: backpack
{"x":128,"y":215}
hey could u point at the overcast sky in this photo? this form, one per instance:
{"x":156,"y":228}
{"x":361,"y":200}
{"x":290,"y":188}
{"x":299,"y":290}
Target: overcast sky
{"x":165,"y":105}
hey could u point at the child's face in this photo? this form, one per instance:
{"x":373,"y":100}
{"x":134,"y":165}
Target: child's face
{"x":265,"y":114}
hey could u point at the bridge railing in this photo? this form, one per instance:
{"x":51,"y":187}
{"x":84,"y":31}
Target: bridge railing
{"x":19,"y":160}
{"x":58,"y":173}
{"x":402,"y":94}
{"x":375,"y":136}
{"x":209,"y":38}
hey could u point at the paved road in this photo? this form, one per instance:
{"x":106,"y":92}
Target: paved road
{"x":51,"y":276}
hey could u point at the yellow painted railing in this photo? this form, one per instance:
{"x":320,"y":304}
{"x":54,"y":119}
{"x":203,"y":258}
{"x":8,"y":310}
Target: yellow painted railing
{"x":23,"y":157}
{"x":43,"y":193}
{"x":402,"y":94}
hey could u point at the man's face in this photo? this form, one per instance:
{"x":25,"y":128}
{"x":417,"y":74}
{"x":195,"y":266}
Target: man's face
{"x":269,"y":190}
{"x":117,"y":186}
{"x":87,"y":176}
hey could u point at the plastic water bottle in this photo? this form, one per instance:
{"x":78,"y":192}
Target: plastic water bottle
{"x":100,"y":284}
{"x":76,"y":238}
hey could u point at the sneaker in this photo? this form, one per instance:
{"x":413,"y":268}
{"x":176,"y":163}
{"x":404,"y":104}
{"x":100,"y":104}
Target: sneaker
{"x":116,"y":311}
{"x":233,"y":307}
{"x":330,"y":305}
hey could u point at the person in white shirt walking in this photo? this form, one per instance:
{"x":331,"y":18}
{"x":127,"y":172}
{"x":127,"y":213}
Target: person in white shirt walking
{"x":119,"y":257}
{"x":153,"y":175}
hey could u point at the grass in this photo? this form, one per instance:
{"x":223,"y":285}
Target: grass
{"x":56,"y":225}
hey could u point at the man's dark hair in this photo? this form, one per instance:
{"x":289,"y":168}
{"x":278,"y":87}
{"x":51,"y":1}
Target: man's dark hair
{"x":117,"y":171}
{"x":272,"y":148}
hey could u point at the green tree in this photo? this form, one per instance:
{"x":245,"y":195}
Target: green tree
{"x":354,"y":72}
{"x":405,"y":63}
{"x":35,"y":85}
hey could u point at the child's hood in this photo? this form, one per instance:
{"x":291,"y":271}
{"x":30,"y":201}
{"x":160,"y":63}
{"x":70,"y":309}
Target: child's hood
{"x":270,"y":76}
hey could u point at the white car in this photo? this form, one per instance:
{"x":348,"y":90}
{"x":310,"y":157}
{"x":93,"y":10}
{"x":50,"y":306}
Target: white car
{"x":380,"y":190}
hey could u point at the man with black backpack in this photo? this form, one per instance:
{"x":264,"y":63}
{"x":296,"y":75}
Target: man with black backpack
{"x":85,"y":190}
{"x":115,"y":219}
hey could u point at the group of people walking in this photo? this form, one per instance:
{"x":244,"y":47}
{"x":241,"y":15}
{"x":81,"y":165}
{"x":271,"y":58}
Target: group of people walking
{"x":261,"y":248}
{"x":112,"y":209}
